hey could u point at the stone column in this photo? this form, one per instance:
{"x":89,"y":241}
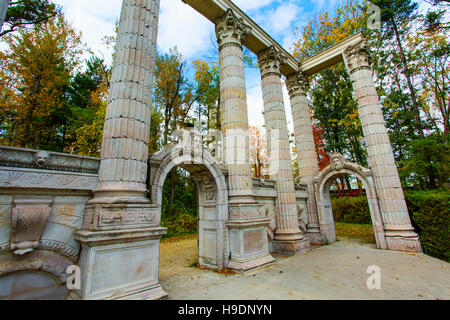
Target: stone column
{"x":4,"y":4}
{"x":230,"y":32}
{"x":400,"y":233}
{"x":120,"y":236}
{"x":298,"y":86}
{"x":247,"y":219}
{"x":288,"y":238}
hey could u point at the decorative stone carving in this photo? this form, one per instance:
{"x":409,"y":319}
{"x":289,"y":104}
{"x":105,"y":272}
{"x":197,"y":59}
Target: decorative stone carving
{"x":28,"y":158}
{"x":9,"y":177}
{"x":247,"y":211}
{"x":270,"y":60}
{"x":357,"y":57}
{"x":29,"y":218}
{"x":230,"y":29}
{"x":337,"y":161}
{"x":271,"y":229}
{"x":33,"y":178}
{"x":59,"y":247}
{"x":264,"y":183}
{"x":41,"y":158}
{"x":301,"y":187}
{"x":118,"y":215}
{"x":297,"y":83}
{"x":302,"y":218}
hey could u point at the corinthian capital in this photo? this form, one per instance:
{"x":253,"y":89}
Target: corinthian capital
{"x":270,"y":60}
{"x":357,"y":57}
{"x":297,"y":83}
{"x":230,"y":29}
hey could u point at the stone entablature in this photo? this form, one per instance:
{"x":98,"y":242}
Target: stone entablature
{"x":36,"y":169}
{"x":48,"y":160}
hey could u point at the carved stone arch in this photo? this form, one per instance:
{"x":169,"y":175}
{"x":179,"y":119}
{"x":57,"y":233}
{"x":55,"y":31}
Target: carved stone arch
{"x":322,"y":183}
{"x":212,"y":193}
{"x":42,"y":264}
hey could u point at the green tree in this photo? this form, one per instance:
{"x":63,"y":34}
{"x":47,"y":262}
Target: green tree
{"x":35,"y":74}
{"x":87,"y":100}
{"x":207,"y":78}
{"x":397,"y":19}
{"x":334,"y":109}
{"x":174,"y":95}
{"x":28,"y":13}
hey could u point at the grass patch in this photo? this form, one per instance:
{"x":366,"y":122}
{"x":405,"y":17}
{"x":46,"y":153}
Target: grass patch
{"x":360,"y":232}
{"x":168,"y":238}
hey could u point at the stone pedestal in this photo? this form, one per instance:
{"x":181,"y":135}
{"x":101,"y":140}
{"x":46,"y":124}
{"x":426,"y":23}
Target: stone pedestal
{"x":399,"y":231}
{"x":120,"y":264}
{"x":291,"y":247}
{"x":248,"y":237}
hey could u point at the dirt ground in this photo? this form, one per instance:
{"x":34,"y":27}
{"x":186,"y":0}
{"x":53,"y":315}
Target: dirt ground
{"x":337,"y":271}
{"x":177,"y":254}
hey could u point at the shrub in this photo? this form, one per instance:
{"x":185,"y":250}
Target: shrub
{"x":429,"y":212}
{"x":180,"y":224}
{"x":351,"y":210}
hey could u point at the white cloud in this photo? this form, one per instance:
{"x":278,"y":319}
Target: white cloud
{"x":282,"y":18}
{"x":181,"y":26}
{"x":95,"y":19}
{"x":255,"y":105}
{"x":252,"y":4}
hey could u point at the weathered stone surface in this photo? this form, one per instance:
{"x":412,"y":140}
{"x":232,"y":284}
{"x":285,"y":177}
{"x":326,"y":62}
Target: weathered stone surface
{"x":400,"y":234}
{"x":280,"y":166}
{"x":230,"y":32}
{"x":298,"y":85}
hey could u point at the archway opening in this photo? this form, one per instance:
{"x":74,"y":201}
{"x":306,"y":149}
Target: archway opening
{"x":331,"y":181}
{"x":350,"y":207}
{"x":200,"y":175}
{"x":179,"y":214}
{"x":32,"y":285}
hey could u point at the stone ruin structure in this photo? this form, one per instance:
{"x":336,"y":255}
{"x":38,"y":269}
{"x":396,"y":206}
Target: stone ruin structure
{"x":59,"y":210}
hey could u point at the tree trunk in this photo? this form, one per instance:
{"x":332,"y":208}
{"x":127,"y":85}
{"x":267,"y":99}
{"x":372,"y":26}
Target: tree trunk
{"x":407,"y":74}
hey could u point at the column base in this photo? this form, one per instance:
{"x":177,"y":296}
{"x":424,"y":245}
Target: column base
{"x":399,"y":243}
{"x":120,"y":264}
{"x":151,"y":293}
{"x":316,"y":238}
{"x":291,"y":247}
{"x":402,"y":238}
{"x":250,"y":264}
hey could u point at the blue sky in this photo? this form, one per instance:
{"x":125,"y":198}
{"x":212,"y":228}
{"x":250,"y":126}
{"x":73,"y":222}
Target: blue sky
{"x":182,"y":26}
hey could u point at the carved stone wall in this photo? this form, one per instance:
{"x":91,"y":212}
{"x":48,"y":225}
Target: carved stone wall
{"x":42,"y":202}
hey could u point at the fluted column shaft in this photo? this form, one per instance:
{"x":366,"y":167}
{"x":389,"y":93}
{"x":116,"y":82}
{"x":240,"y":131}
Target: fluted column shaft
{"x":230,"y":33}
{"x":280,"y":164}
{"x":304,"y":141}
{"x":127,"y":124}
{"x":380,"y":156}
